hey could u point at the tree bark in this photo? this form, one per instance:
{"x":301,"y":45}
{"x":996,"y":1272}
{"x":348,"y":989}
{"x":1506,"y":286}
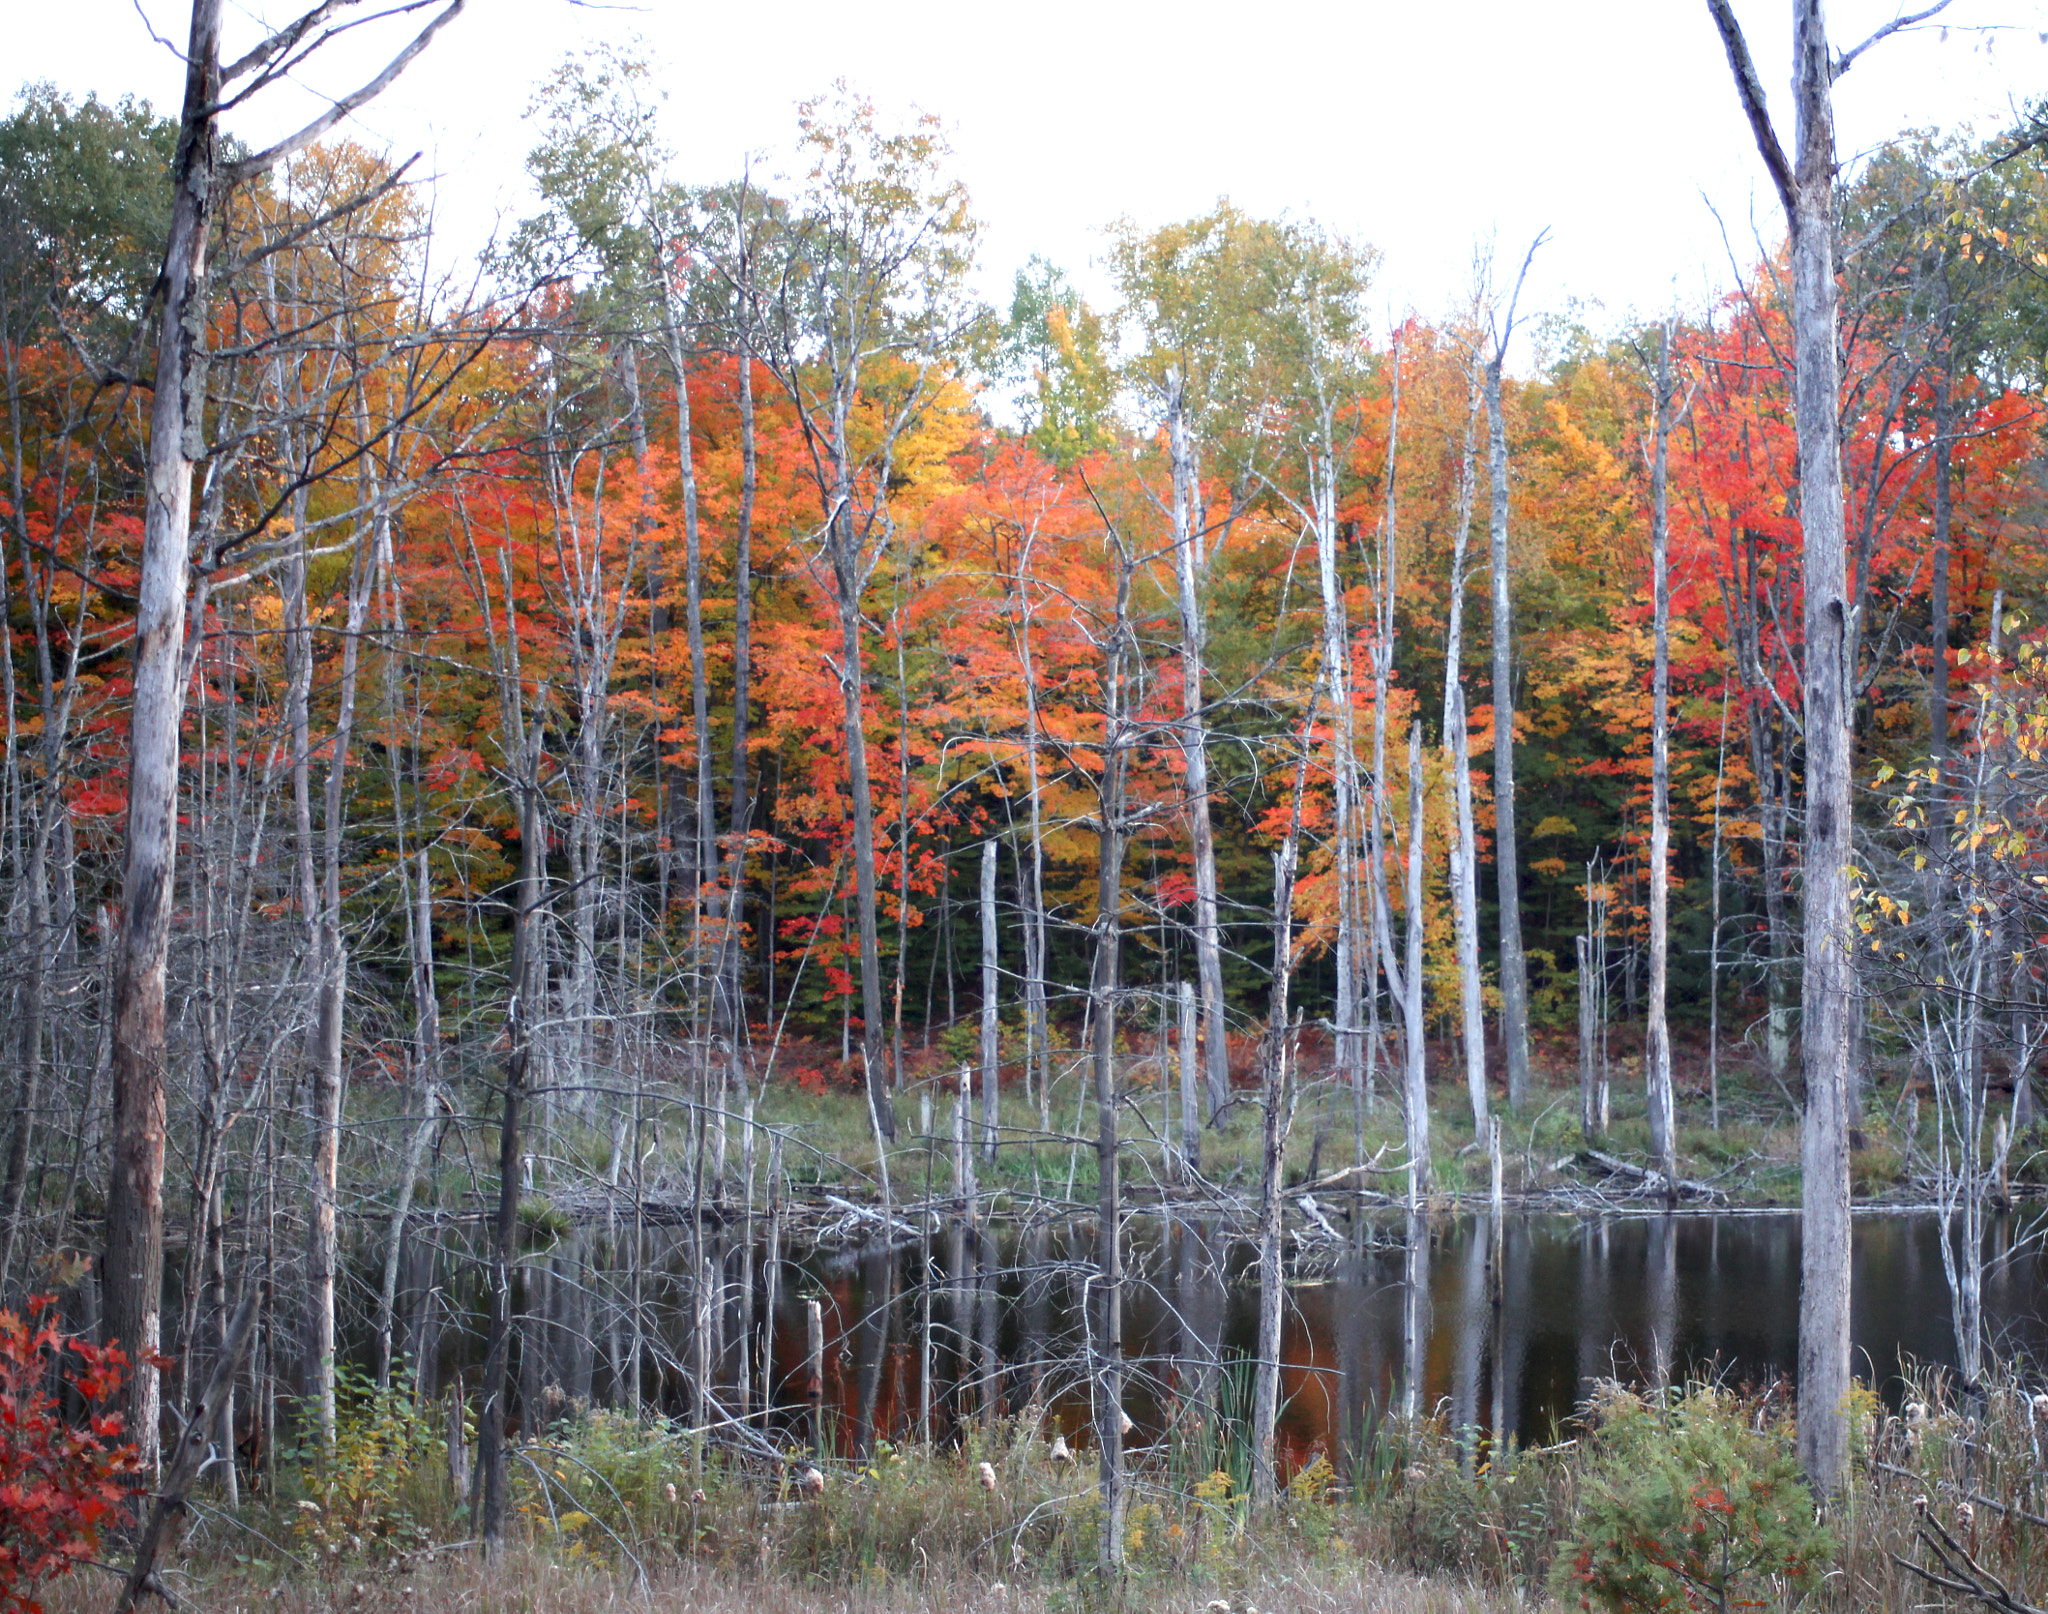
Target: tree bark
{"x":1404,"y":978}
{"x":1806,"y":186}
{"x":1514,"y":970}
{"x":1343,"y":757}
{"x":132,"y":1275}
{"x":1276,"y":1120}
{"x":1464,"y":850}
{"x":991,"y":1113}
{"x":1657,"y":1040}
{"x":522,"y":1010}
{"x":1187,"y":547}
{"x":1937,"y":593}
{"x":427,"y":1070}
{"x":1107,"y":1326}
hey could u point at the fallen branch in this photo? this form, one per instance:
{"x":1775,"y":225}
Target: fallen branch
{"x":1652,"y":1181}
{"x":1960,"y":1572}
{"x":188,"y":1460}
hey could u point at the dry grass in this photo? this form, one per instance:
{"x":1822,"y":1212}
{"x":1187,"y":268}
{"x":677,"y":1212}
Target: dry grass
{"x":525,"y":1581}
{"x":1419,"y":1527}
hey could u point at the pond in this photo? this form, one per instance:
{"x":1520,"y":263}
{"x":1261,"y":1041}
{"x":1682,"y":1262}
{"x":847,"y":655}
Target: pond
{"x":1434,"y":1315}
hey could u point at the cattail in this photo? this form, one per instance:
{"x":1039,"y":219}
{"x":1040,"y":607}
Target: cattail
{"x":808,"y":1482}
{"x":1123,"y":1422}
{"x":1059,"y":1453}
{"x":1916,"y":1414}
{"x":988,"y":1477}
{"x":1966,"y":1516}
{"x":669,"y":1491}
{"x":2041,"y":1406}
{"x":697,"y":1497}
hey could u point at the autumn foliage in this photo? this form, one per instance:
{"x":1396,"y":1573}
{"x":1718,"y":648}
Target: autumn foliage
{"x":65,"y":1472}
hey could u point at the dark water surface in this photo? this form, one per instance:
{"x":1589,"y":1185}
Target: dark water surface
{"x":1390,"y":1314}
{"x":1404,"y":1317}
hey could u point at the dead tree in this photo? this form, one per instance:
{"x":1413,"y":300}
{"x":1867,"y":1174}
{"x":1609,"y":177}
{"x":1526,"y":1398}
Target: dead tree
{"x":1805,"y":183}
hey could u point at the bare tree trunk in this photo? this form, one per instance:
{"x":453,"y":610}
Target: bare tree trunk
{"x":741,"y":810}
{"x":1589,"y":1034}
{"x":1657,"y":1063}
{"x":1405,"y":979}
{"x":1187,"y":550}
{"x":1806,"y":186}
{"x":331,"y":960}
{"x":132,"y":1275}
{"x":1937,"y":593}
{"x":1190,"y":1084}
{"x":521,"y":1011}
{"x":427,"y":1067}
{"x":704,"y":839}
{"x":1714,"y":936}
{"x":1464,"y":849}
{"x":1031,"y":871}
{"x":1107,"y":1367}
{"x":1514,"y":971}
{"x":1343,"y":762}
{"x":1276,"y":1120}
{"x":991,"y":1113}
{"x":1385,"y":567}
{"x":1414,"y":1311}
{"x":847,"y":575}
{"x":161,"y":662}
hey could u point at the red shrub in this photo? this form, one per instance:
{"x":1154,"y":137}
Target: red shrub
{"x":60,"y":1480}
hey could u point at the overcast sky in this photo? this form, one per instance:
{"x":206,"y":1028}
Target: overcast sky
{"x":1422,"y":128}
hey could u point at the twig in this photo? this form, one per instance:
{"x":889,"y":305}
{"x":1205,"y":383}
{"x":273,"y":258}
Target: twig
{"x":1968,"y":1495}
{"x":1961,"y":1572}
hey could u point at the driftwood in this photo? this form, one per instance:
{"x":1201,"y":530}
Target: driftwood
{"x":188,"y":1460}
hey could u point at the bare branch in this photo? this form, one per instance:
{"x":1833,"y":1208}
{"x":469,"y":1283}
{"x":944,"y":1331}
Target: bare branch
{"x":1507,"y":329}
{"x":263,"y":161}
{"x":281,"y":41}
{"x":1751,"y":91}
{"x":1847,"y":58}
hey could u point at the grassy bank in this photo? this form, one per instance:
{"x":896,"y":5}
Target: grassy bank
{"x":1750,"y":1159}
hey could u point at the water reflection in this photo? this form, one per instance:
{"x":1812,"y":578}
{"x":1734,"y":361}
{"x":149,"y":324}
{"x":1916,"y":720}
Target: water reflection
{"x":1500,"y":1327}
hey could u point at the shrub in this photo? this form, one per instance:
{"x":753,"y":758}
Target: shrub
{"x":60,"y":1479}
{"x":1689,"y":1504}
{"x":376,"y":1485}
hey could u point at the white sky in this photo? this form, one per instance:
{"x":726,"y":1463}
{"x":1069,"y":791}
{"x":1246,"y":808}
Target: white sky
{"x":1422,"y":128}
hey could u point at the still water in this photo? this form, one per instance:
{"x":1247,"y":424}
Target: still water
{"x":1402,"y":1317}
{"x":1495,"y":1331}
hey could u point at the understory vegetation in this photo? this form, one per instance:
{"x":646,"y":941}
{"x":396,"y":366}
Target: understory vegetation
{"x":1676,"y":1500}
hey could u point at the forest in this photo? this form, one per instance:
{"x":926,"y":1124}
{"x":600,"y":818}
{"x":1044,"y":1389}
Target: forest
{"x":663,"y":884}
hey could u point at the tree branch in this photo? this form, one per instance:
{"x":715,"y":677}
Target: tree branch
{"x":281,"y":41}
{"x":263,"y":161}
{"x":1751,"y":91}
{"x":1847,"y":58}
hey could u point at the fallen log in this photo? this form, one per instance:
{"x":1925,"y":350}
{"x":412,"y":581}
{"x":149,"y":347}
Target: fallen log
{"x":1651,"y":1181}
